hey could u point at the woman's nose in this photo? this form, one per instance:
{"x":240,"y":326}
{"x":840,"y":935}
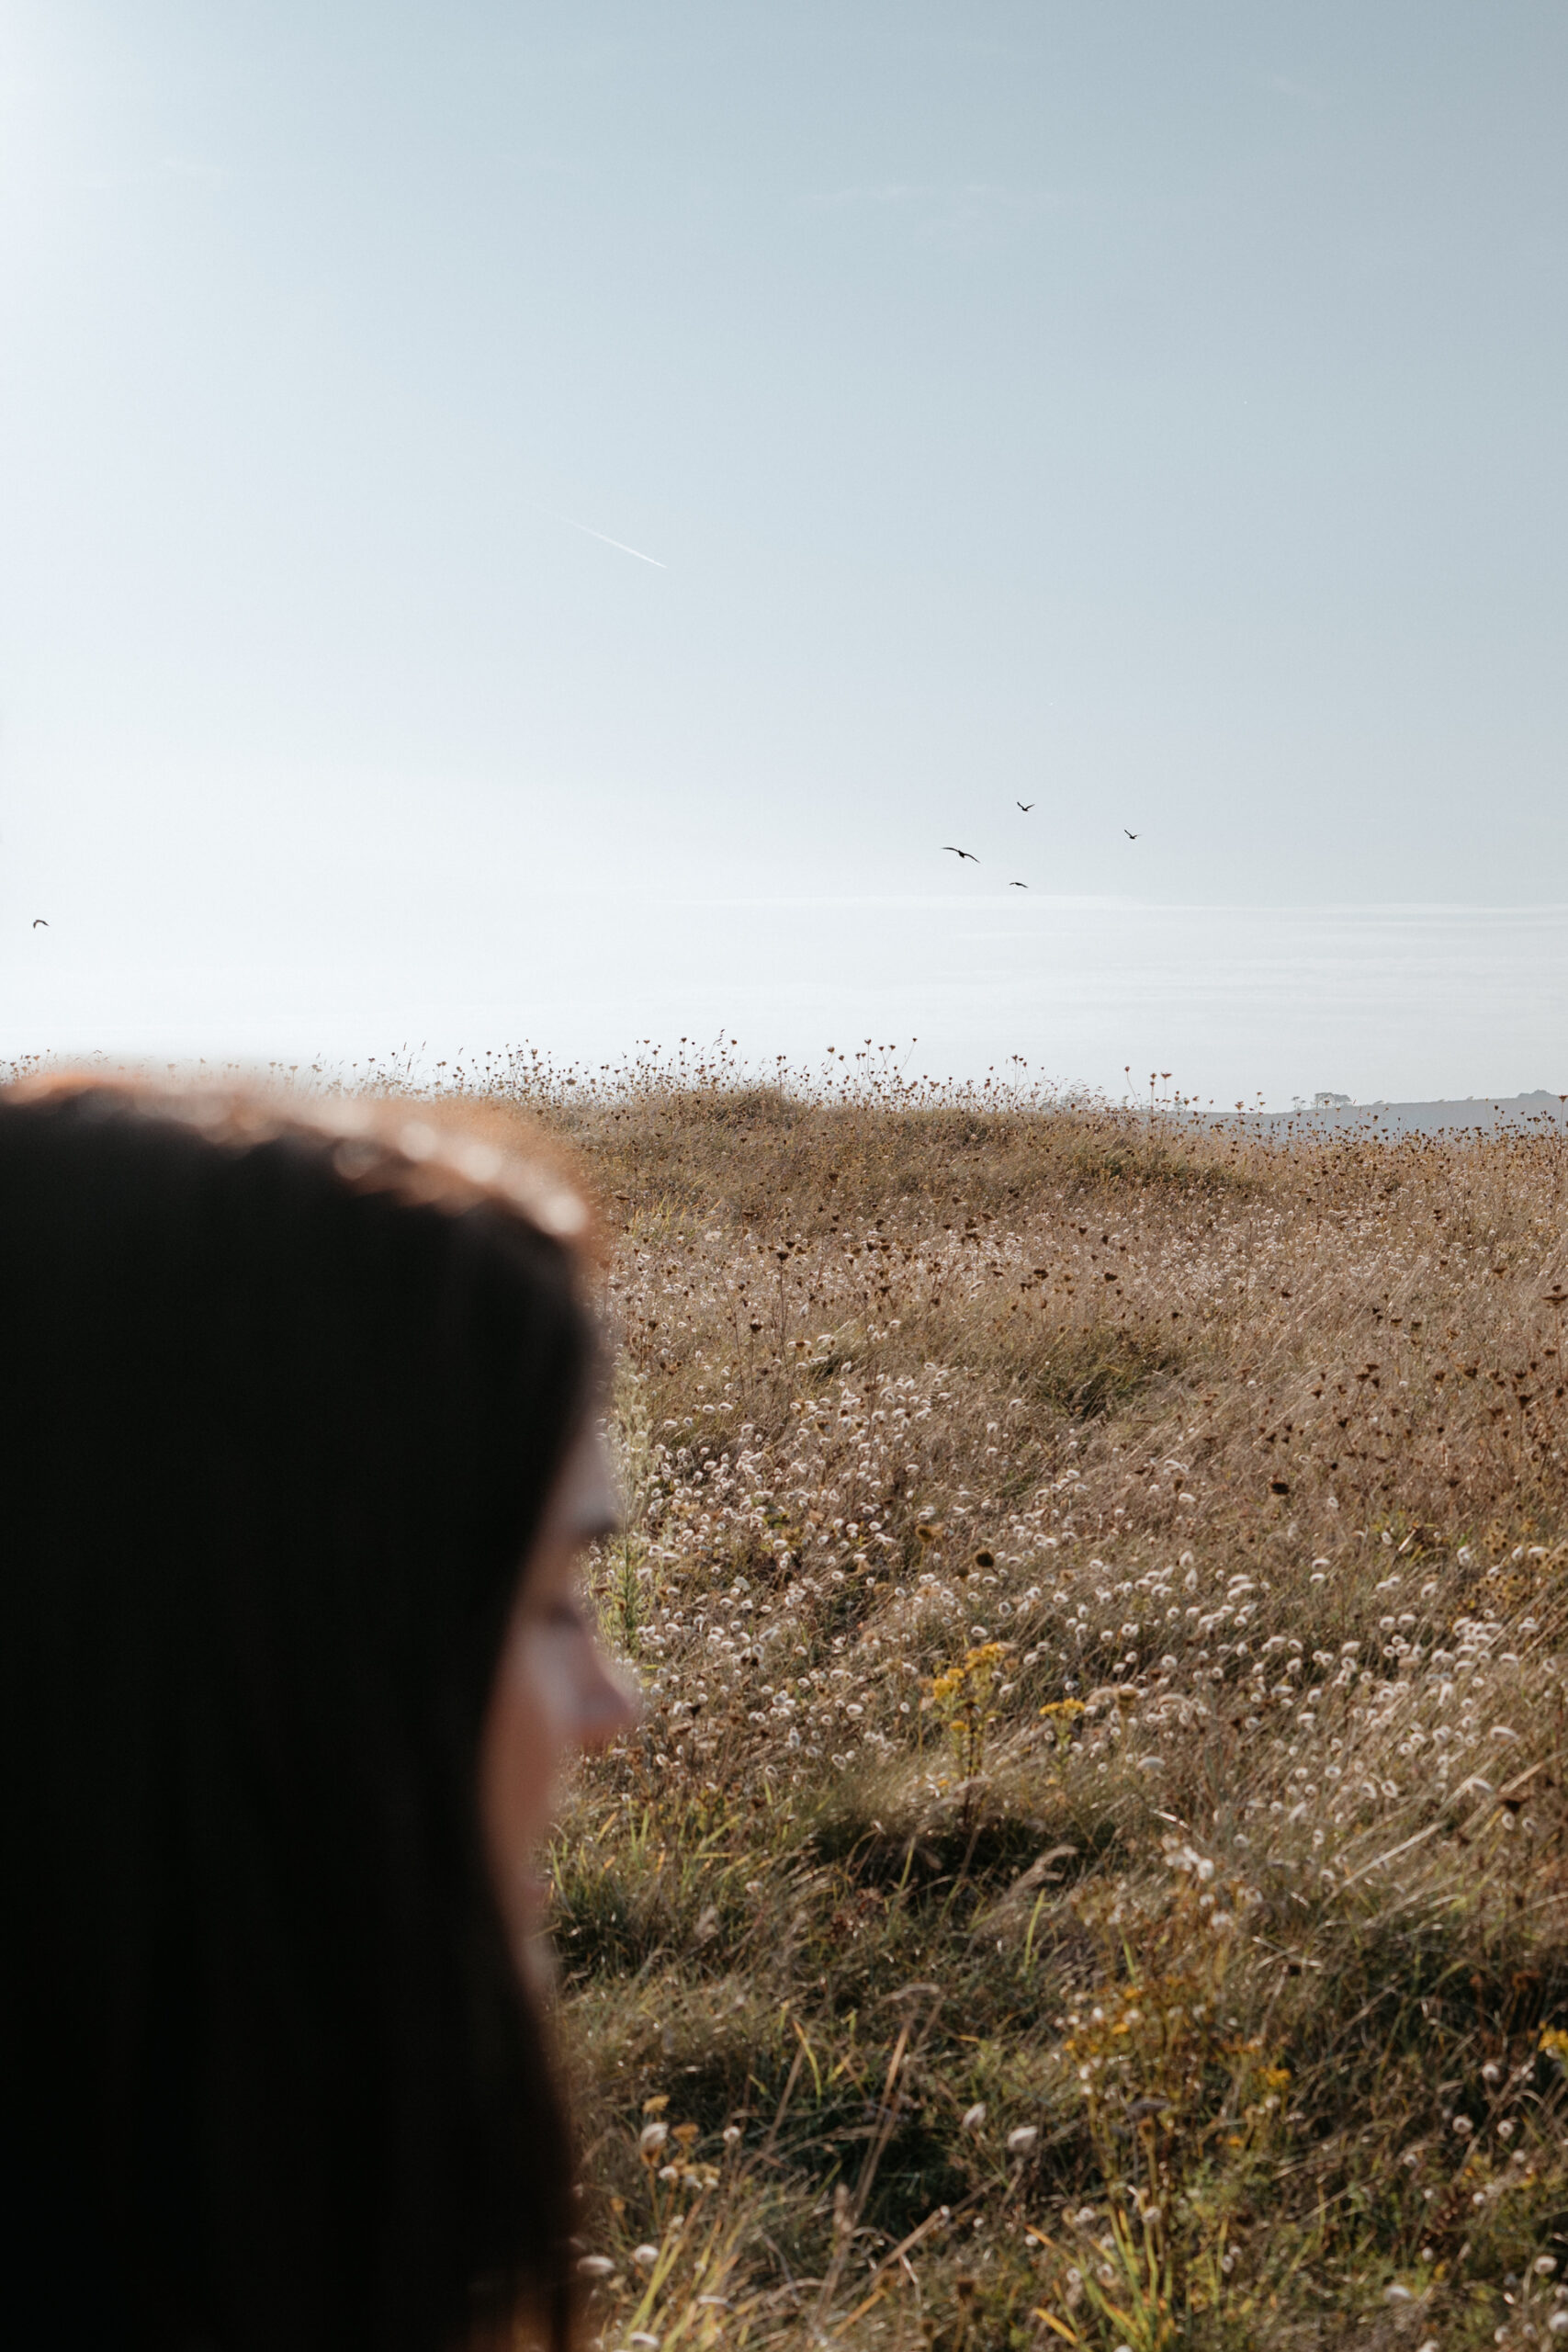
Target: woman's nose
{"x":610,"y":1702}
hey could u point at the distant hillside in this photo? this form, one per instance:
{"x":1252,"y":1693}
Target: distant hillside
{"x":1477,"y":1114}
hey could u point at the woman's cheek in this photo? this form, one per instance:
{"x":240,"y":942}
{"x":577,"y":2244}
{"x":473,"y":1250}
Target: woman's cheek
{"x":518,"y":1764}
{"x":550,"y":1698}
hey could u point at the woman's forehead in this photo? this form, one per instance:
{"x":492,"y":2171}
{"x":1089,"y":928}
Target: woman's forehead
{"x":586,"y":1501}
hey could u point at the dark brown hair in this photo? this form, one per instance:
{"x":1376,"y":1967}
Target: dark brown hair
{"x":283,"y":1396}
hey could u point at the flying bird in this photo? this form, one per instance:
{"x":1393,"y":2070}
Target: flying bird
{"x":1132,"y":837}
{"x":1018,"y":886}
{"x":37,"y":919}
{"x":1025,"y":805}
{"x":962,"y":853}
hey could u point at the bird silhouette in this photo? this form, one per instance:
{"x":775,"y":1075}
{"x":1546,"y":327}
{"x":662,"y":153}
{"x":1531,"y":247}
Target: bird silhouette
{"x":1132,"y":837}
{"x":1025,"y":805}
{"x":1018,"y":886}
{"x":962,"y":853}
{"x":37,"y":919}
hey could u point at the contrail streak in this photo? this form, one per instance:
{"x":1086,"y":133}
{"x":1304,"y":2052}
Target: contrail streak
{"x":608,"y":541}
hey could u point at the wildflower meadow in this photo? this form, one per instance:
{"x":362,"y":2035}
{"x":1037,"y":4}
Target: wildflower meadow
{"x":1092,"y":1868}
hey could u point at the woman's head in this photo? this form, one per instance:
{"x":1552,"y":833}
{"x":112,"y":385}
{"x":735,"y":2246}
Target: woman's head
{"x":288,"y":1404}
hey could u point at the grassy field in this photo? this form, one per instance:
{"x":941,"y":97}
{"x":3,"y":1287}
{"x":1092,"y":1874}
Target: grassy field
{"x":1093,"y":1870}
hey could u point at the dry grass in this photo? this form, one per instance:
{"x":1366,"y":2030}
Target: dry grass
{"x":1093,"y":1869}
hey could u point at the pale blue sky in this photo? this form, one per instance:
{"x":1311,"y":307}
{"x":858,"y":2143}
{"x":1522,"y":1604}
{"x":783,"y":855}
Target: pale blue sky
{"x":1152,"y":411}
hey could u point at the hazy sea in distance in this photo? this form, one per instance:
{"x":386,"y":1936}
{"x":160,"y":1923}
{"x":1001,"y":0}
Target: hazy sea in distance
{"x":1377,"y":1001}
